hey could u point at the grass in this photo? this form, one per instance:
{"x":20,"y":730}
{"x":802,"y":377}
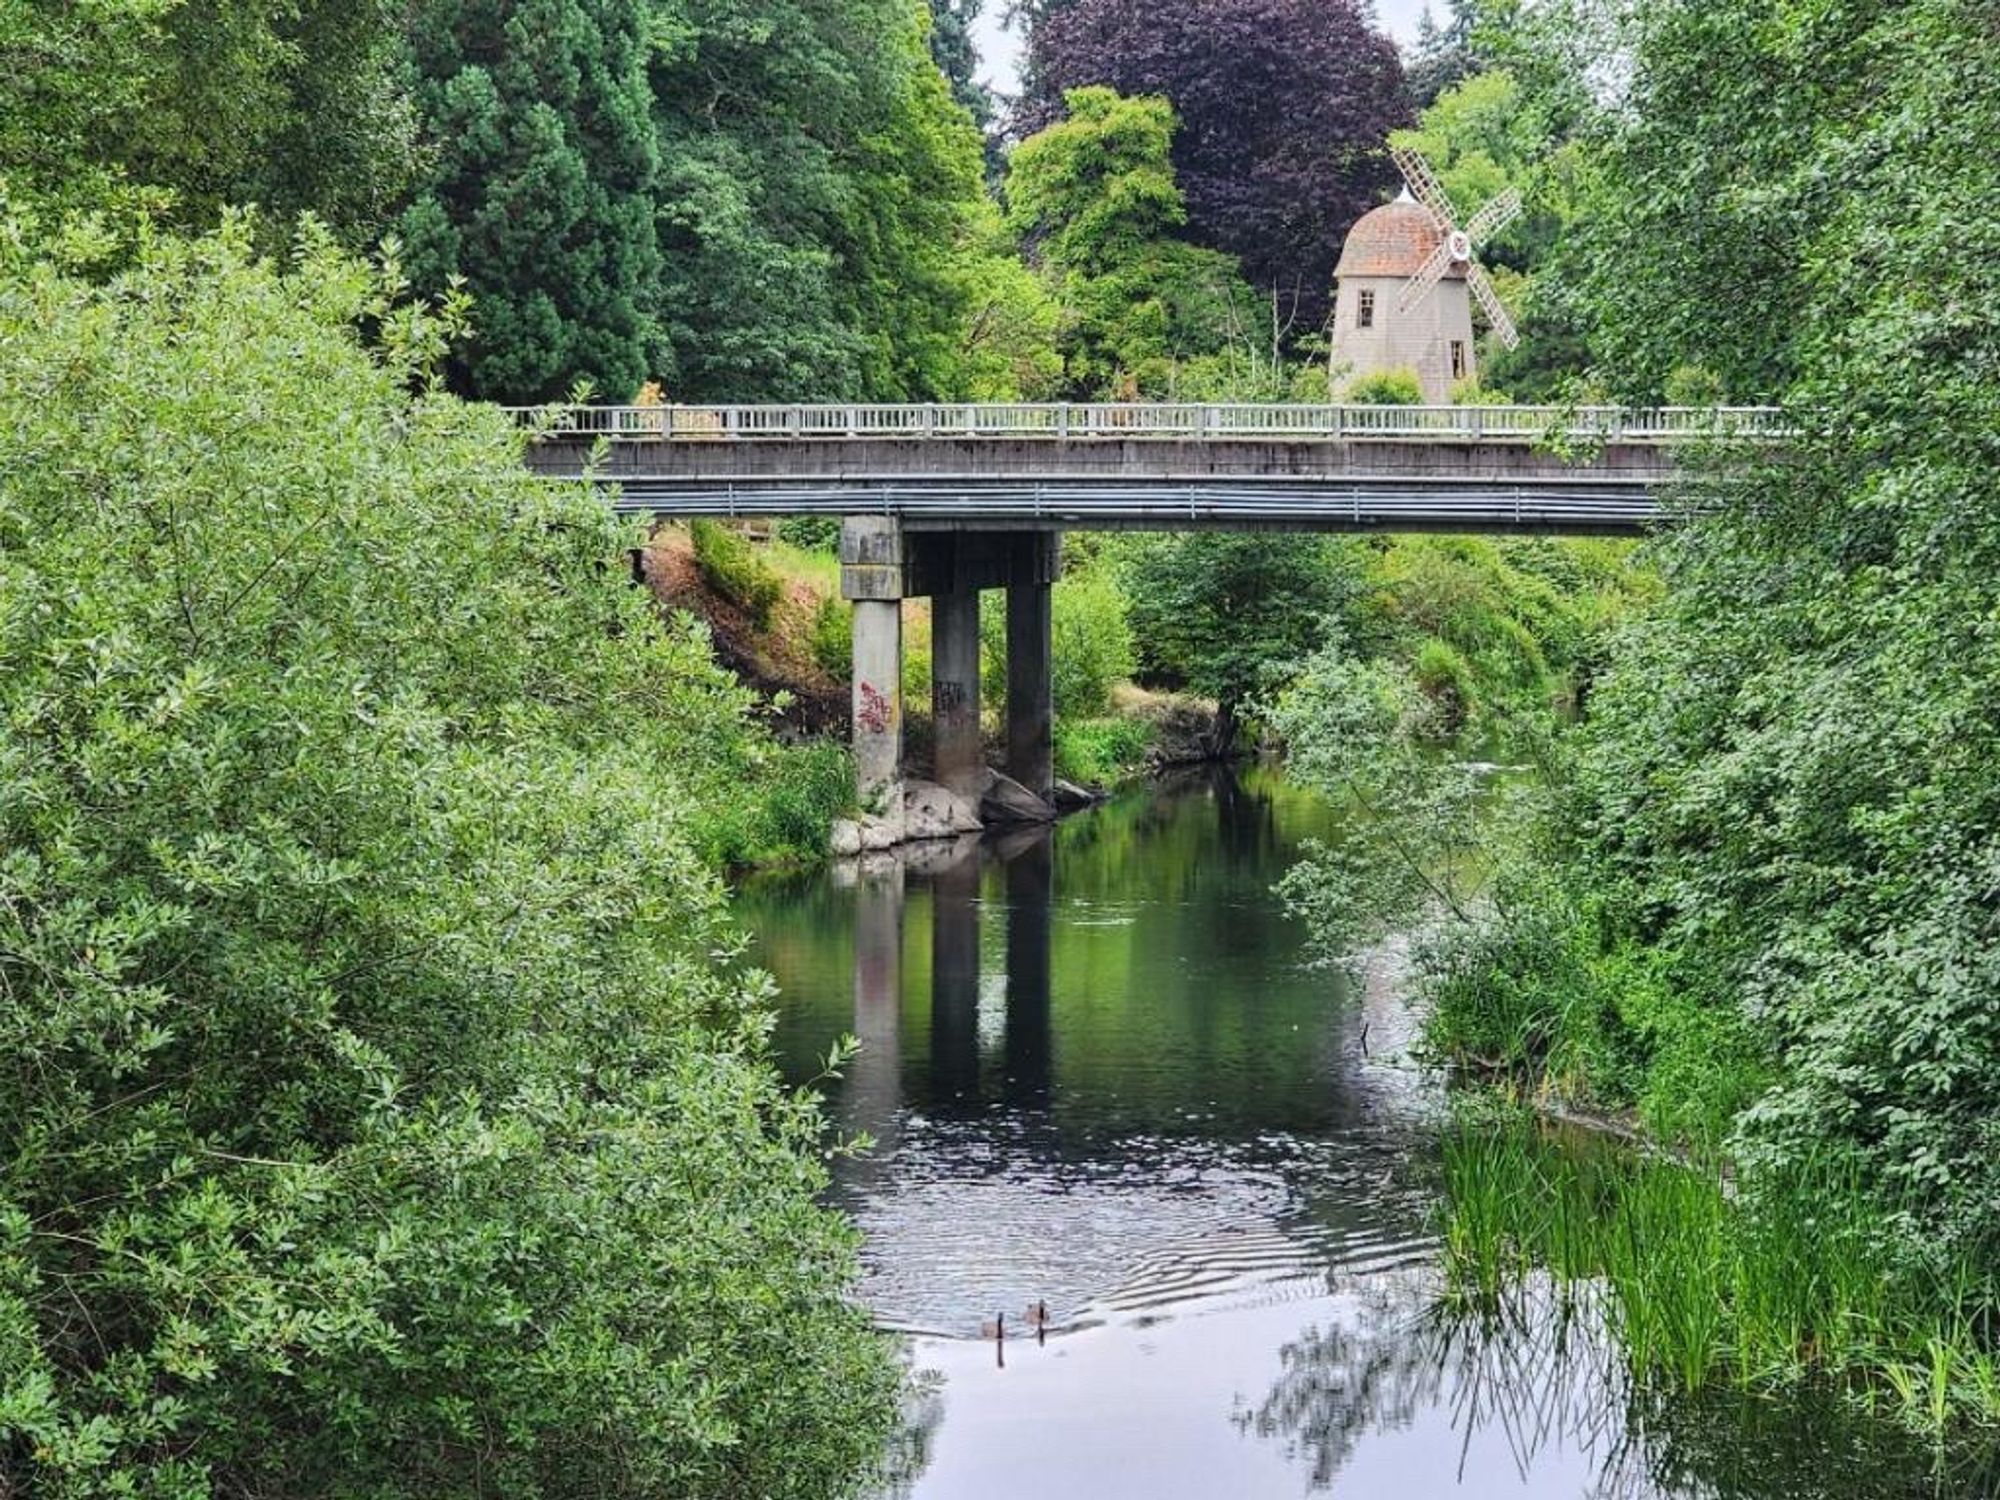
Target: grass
{"x":1703,"y":1286}
{"x":1097,"y":751}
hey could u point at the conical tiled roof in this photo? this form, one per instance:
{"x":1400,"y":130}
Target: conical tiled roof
{"x":1393,"y":240}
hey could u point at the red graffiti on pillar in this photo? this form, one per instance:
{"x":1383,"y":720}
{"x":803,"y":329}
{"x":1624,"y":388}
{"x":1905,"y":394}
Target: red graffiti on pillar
{"x":874,"y":715}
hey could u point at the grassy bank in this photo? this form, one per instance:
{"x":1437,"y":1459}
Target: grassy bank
{"x":771,"y":602}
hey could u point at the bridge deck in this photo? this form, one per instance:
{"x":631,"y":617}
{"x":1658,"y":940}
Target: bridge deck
{"x":1598,"y":470}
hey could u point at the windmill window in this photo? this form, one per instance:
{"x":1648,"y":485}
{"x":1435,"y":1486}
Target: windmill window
{"x":1364,"y":310}
{"x":1457,"y":359}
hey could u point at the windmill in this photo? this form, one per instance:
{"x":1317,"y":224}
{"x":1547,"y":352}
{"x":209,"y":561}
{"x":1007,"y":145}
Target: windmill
{"x":1456,"y":247}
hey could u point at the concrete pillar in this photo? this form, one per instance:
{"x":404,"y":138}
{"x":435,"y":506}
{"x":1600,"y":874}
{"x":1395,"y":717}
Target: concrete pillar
{"x":871,"y":575}
{"x":878,"y":698}
{"x":960,"y":759}
{"x":1031,"y":748}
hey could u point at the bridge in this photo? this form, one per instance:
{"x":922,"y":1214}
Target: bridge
{"x":946,"y":501}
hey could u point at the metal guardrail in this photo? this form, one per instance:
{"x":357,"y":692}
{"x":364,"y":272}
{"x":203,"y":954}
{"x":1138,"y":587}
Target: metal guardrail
{"x":1577,"y":505}
{"x":1119,"y":421}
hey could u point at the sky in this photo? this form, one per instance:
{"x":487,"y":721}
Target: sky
{"x":1000,"y":49}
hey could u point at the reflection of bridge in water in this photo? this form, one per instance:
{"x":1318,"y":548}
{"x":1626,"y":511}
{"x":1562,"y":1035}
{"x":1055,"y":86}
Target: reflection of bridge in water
{"x":952,"y":869}
{"x":946,"y":501}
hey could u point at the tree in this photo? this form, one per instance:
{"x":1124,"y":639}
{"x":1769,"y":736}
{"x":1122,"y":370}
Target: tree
{"x":819,"y":190}
{"x":541,"y":197}
{"x":1227,"y":614}
{"x":380,"y":1118}
{"x":1446,"y":55}
{"x":1283,"y":106}
{"x":177,"y":109}
{"x":953,"y":48}
{"x":1785,"y":796}
{"x":1094,"y":199}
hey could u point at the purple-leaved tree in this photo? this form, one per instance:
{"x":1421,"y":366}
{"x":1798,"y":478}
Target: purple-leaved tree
{"x":1284,"y":106}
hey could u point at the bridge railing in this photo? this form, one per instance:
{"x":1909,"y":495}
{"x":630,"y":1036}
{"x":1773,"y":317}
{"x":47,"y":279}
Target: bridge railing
{"x":1119,"y":421}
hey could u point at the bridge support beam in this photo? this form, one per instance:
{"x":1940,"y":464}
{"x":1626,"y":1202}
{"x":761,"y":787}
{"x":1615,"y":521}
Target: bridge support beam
{"x":1031,"y":708}
{"x":871,"y":577}
{"x":960,"y":761}
{"x":881,"y":564}
{"x":1031,"y":745}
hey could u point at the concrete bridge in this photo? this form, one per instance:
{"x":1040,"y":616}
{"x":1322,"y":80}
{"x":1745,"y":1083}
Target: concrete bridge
{"x":948,"y":501}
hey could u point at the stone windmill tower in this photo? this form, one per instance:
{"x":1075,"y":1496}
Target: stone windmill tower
{"x":1406,"y":280}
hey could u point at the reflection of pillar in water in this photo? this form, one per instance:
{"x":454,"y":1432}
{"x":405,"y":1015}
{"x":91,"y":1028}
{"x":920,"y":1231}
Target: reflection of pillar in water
{"x":874,"y":1089}
{"x":1030,"y":883}
{"x":955,"y":977}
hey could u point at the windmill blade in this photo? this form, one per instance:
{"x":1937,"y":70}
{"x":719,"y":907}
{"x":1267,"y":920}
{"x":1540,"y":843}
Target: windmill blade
{"x":1494,"y":217}
{"x":1428,"y":275}
{"x":1496,"y":314}
{"x":1424,"y":186}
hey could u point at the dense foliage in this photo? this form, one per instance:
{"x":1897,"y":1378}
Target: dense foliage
{"x":541,"y":198}
{"x":179,"y":109}
{"x":819,"y":202}
{"x":1764,"y":911}
{"x":377,"y":1117}
{"x":1096,"y":199}
{"x":1284,"y":106}
{"x":1226,"y":614}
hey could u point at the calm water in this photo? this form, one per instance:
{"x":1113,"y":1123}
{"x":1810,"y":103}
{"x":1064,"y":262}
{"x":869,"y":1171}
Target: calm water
{"x":1100,"y":1079}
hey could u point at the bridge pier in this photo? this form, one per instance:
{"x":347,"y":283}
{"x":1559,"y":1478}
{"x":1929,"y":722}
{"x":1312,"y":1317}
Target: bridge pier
{"x":882,"y":564}
{"x":959,"y":760}
{"x":871,"y":578}
{"x":1031,"y":706}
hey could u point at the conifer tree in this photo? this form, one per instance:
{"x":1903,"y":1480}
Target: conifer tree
{"x":541,"y":197}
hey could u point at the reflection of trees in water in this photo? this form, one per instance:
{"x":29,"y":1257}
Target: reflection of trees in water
{"x":1407,"y":1352}
{"x":908,"y":1452}
{"x":1539,"y":1368}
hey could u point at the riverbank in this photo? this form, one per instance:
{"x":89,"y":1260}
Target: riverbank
{"x":1733,"y":1256}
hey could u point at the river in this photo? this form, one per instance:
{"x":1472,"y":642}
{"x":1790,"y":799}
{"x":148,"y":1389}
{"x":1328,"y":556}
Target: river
{"x":1102,"y":1081}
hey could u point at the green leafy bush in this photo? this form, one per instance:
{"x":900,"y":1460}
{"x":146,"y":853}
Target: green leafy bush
{"x":833,"y":636}
{"x":733,"y":570}
{"x":1095,"y":752}
{"x":1385,"y":388}
{"x":1091,"y":652}
{"x":811,"y":533}
{"x":383,"y":1121}
{"x":1445,"y":680}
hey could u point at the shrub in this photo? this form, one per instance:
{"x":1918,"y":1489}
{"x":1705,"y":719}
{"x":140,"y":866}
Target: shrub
{"x":811,"y":533}
{"x":385,"y":1121}
{"x":804,"y":789}
{"x":833,"y":636}
{"x":1445,"y":681}
{"x":735,"y":572}
{"x":1386,"y":388}
{"x":1091,"y":649}
{"x":1098,"y":751}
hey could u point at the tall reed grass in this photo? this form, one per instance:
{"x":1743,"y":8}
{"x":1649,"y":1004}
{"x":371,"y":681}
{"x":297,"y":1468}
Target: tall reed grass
{"x":1703,"y":1284}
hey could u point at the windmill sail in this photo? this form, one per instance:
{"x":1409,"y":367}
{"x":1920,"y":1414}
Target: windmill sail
{"x":1428,"y":275}
{"x":1496,"y":311}
{"x":1424,"y":186}
{"x":1456,"y":246}
{"x":1493,"y":218}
